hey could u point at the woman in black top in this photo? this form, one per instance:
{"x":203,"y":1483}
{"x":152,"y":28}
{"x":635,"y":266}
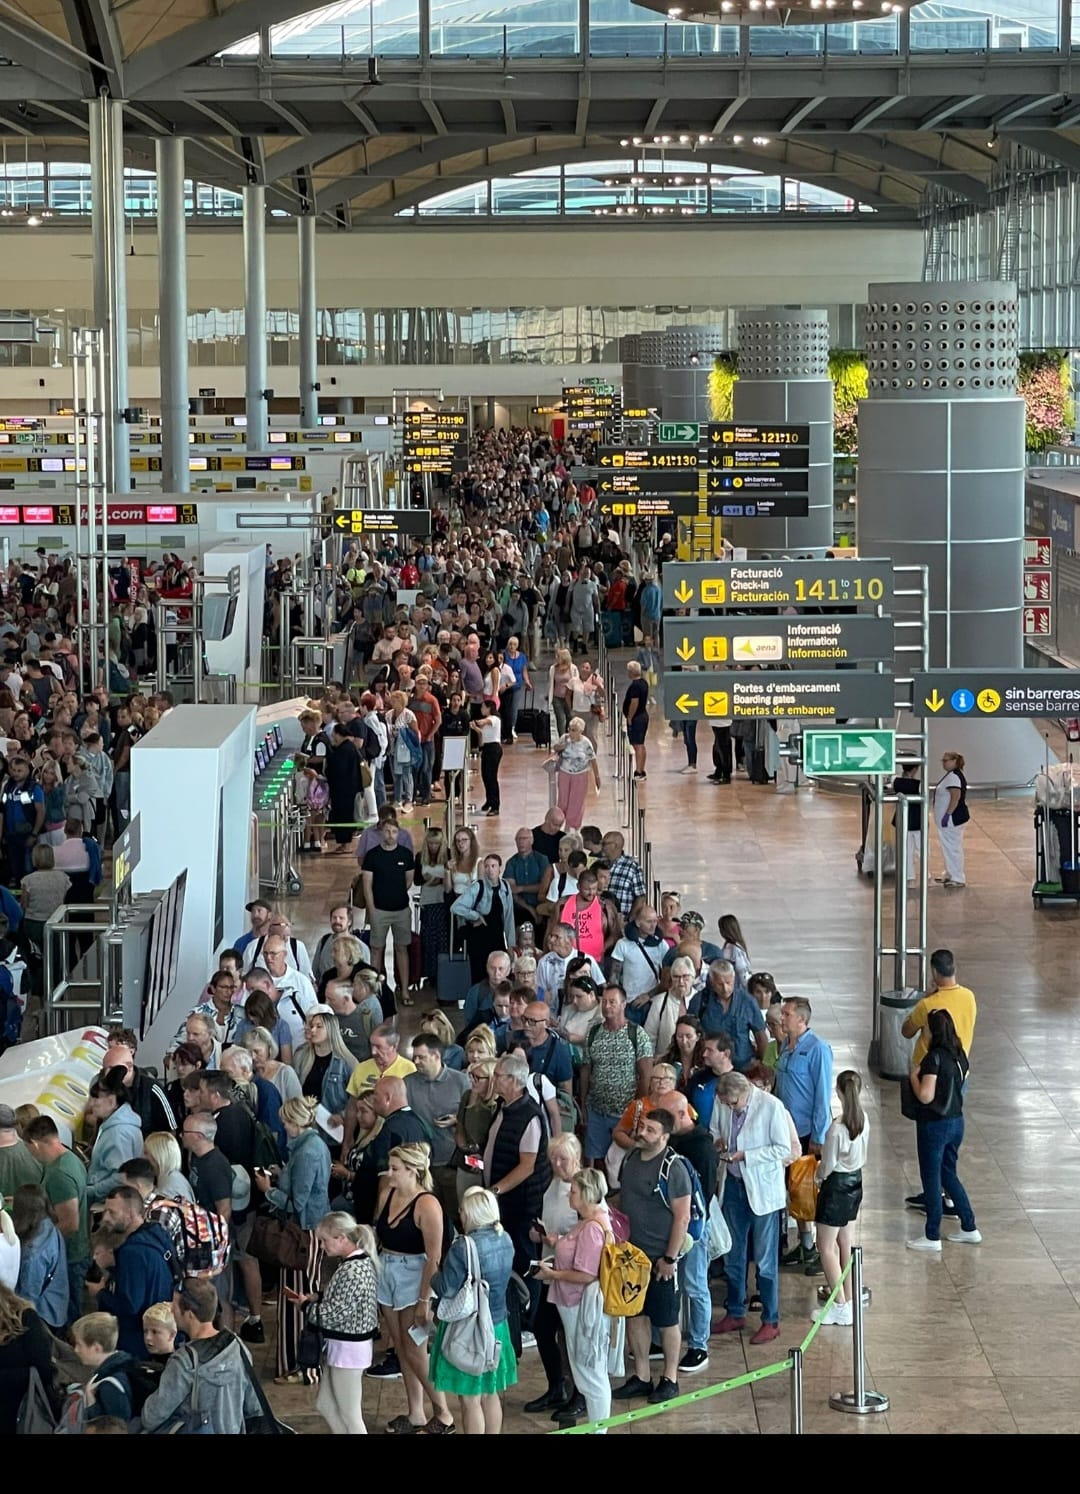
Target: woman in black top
{"x":342,"y":771}
{"x":938,"y":1088}
{"x":635,"y":708}
{"x":25,"y":1344}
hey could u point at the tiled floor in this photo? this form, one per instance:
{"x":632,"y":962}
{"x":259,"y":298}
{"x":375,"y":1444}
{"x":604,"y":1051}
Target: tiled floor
{"x":982,"y":1339}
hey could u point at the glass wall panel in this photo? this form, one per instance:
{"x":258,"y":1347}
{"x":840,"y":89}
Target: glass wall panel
{"x":531,"y":28}
{"x":984,"y":25}
{"x":350,"y":28}
{"x":618,"y":28}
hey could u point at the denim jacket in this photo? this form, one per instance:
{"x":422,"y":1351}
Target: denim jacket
{"x":495,"y":1252}
{"x":301,"y":1189}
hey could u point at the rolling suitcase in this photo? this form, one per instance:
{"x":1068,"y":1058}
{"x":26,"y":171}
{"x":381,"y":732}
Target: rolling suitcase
{"x":535,"y":722}
{"x":453,"y":979}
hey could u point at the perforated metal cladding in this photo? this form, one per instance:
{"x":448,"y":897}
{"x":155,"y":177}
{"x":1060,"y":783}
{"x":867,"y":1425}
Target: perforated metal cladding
{"x":651,"y":349}
{"x":630,"y":355}
{"x":959,"y":340}
{"x":782,"y":344}
{"x":693,"y":347}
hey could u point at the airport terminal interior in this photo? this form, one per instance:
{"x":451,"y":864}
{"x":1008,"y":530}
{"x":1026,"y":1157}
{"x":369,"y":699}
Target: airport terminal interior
{"x":539,"y":717}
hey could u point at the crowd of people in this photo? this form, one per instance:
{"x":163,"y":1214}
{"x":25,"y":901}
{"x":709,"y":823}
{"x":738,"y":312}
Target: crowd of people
{"x":590,"y":1065}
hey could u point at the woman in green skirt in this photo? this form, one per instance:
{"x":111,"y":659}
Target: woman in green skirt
{"x":481,"y":1406}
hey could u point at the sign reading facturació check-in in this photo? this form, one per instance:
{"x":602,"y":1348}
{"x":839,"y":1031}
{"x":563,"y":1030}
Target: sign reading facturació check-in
{"x":788,"y":583}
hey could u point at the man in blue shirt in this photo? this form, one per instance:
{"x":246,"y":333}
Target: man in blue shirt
{"x":804,"y":1084}
{"x":721,"y":1008}
{"x":525,"y":871}
{"x":548,"y":1054}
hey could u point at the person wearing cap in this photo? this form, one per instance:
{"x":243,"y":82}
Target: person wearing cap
{"x":259,"y":911}
{"x":18,"y":1165}
{"x":700,"y":950}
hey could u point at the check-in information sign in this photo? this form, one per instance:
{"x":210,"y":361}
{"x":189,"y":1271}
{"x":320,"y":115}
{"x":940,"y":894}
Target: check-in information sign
{"x":795,"y":583}
{"x":798,"y":641}
{"x":993,"y":693}
{"x":775,"y":692}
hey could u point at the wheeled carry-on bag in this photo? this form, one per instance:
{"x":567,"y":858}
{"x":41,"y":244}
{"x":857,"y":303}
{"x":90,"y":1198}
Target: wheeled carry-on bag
{"x":453,"y":979}
{"x":535,"y":722}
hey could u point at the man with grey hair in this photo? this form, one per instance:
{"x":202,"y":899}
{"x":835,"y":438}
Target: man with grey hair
{"x":721,"y":1008}
{"x":754,"y":1145}
{"x":516,"y":1166}
{"x":209,"y":1172}
{"x":551,"y":967}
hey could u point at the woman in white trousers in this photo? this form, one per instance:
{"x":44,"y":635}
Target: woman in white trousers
{"x":951,"y":815}
{"x":574,"y":1288}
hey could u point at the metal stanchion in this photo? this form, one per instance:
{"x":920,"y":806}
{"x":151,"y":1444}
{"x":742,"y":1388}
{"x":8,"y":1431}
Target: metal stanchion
{"x":796,"y":1392}
{"x":860,"y":1402}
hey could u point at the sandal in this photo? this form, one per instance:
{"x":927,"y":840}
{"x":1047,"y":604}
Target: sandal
{"x":437,"y":1428}
{"x":401,"y":1426}
{"x":297,"y":1377}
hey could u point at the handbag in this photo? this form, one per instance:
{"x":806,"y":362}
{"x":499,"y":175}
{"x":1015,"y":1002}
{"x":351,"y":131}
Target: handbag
{"x":469,"y":1344}
{"x":717,"y":1233}
{"x":914,"y":1110}
{"x":461,"y":1305}
{"x":909,"y":1105}
{"x":309,"y":1348}
{"x":803,"y":1189}
{"x":280,"y":1242}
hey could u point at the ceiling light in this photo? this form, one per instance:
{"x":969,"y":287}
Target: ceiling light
{"x":704,"y":139}
{"x":761,"y":139}
{"x":624,"y":143}
{"x":684,"y":139}
{"x":674,"y":13}
{"x":33,"y":221}
{"x":638,"y":140}
{"x":736,"y":139}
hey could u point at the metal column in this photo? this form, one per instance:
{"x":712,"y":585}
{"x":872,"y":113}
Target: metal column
{"x":110,"y":282}
{"x":172,"y":314}
{"x":255,"y":316}
{"x":309,"y":362}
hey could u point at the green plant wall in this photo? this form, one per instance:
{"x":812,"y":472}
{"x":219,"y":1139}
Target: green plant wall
{"x":1045,"y":385}
{"x":846,"y":369}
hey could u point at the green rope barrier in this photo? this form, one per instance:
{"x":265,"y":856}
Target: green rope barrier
{"x":642,"y":1413}
{"x":809,"y":1339}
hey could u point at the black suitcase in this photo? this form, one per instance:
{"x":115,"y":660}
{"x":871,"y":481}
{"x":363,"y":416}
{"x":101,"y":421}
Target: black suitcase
{"x":535,"y":722}
{"x":452,"y":979}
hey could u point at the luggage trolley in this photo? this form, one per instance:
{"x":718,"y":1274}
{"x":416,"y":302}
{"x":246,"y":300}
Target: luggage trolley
{"x":1057,"y":835}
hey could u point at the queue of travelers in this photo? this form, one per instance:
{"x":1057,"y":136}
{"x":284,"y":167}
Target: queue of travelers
{"x":442,"y":1187}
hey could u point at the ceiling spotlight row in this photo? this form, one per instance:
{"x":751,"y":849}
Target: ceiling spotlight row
{"x":640,"y":140}
{"x":645,"y":212}
{"x":31,"y":219}
{"x":727,"y":6}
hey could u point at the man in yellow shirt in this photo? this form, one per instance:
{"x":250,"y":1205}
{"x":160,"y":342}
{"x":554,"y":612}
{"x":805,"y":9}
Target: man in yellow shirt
{"x":385,"y":1062}
{"x":945,"y":994}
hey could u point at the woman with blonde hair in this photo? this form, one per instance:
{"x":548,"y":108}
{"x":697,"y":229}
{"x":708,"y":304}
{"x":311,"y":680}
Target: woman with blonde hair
{"x":437,"y":1024}
{"x":347,"y":953}
{"x":300,"y":1191}
{"x":563,"y":679}
{"x":479,"y":1044}
{"x":404,"y":740}
{"x":839,"y":1177}
{"x":483,"y":1250}
{"x":556,"y":1217}
{"x":524,"y":971}
{"x":575,"y":761}
{"x":323,"y":1063}
{"x":347,"y":1316}
{"x":25,"y":1345}
{"x":410,"y":1231}
{"x":573,"y":1284}
{"x":163,"y":1150}
{"x":476,"y":1112}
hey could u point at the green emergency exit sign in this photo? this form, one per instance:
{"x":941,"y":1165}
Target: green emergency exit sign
{"x":849,"y":751}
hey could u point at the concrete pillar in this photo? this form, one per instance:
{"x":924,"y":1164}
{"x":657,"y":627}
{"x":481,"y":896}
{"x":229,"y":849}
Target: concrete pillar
{"x":688,"y":360}
{"x":309,"y":361}
{"x":784,"y":379}
{"x":172,"y":314}
{"x":941,"y":484}
{"x":255,"y":316}
{"x":110,"y":278}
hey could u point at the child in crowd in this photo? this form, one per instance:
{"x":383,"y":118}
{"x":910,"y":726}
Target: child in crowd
{"x":108,"y":1391}
{"x":159,"y":1332}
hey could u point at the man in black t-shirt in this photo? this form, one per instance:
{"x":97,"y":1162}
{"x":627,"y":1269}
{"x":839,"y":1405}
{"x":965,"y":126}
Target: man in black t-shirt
{"x":235,"y":1139}
{"x":209,"y":1173}
{"x":548,"y":833}
{"x":387,"y":877}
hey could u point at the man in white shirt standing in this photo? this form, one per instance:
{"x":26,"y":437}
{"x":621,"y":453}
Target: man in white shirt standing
{"x":297,"y":993}
{"x":296,"y":955}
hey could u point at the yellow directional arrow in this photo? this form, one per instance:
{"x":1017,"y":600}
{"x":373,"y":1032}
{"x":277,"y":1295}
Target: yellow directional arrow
{"x":685,"y":650}
{"x":716,"y":438}
{"x":685,"y":704}
{"x":934,"y":701}
{"x":605,"y":461}
{"x":683,"y":593}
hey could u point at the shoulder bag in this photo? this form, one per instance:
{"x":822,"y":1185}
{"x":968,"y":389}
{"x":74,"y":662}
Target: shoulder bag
{"x":463,"y":1303}
{"x":469,"y":1344}
{"x":280,"y":1242}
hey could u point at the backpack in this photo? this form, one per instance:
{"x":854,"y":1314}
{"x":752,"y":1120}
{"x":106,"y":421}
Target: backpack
{"x":200,"y":1238}
{"x":265,"y":1150}
{"x":569,"y":1114}
{"x":72,"y":1419}
{"x":625,"y":1272}
{"x":699,"y":1210}
{"x":961,"y":814}
{"x":93,"y":851}
{"x":318,"y":794}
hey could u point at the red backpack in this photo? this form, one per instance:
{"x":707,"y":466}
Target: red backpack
{"x":200,"y":1237}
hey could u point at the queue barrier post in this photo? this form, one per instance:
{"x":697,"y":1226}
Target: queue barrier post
{"x":796,"y":1383}
{"x":860,"y":1401}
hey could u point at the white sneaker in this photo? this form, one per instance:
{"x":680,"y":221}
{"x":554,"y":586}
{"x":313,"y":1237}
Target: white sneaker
{"x":922,"y":1243}
{"x":690,"y":768}
{"x":528,"y":1341}
{"x":836,"y":1316}
{"x":965,"y":1237}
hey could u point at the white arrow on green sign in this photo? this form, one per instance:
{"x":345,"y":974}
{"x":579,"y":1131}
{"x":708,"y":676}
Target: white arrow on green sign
{"x":849,"y":751}
{"x":669,"y":432}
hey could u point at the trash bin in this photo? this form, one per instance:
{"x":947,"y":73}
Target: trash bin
{"x":894,"y":1050}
